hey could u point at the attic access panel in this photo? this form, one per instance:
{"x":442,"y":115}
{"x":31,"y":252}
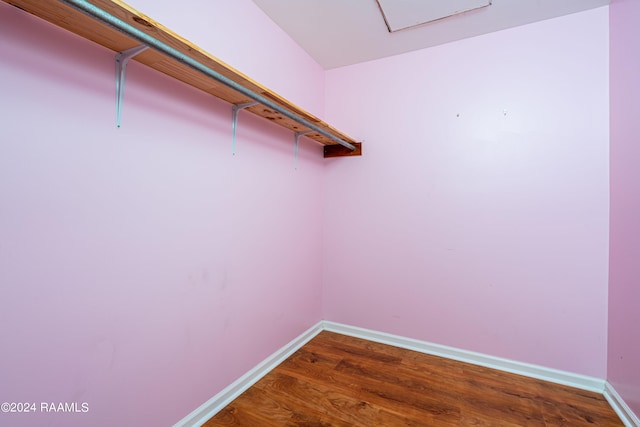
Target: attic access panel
{"x":402,"y":14}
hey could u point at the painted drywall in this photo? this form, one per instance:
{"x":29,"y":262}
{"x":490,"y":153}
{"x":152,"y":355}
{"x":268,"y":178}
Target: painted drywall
{"x":624,"y":251}
{"x":145,"y":268}
{"x":477,"y":216}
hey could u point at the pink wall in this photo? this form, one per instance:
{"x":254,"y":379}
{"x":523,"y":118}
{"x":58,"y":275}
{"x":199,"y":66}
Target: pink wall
{"x":143,"y":269}
{"x":478,"y":215}
{"x":624,"y":270}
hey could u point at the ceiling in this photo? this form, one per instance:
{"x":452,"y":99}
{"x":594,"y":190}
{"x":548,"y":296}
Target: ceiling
{"x":344,"y":32}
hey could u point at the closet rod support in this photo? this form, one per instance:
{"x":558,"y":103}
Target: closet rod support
{"x":234,"y":121}
{"x":122,"y":59}
{"x":105,"y":17}
{"x":297,"y":136}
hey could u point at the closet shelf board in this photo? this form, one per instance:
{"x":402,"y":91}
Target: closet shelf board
{"x":67,"y":17}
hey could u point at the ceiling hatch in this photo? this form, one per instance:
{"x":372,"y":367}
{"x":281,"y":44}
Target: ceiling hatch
{"x":402,"y":14}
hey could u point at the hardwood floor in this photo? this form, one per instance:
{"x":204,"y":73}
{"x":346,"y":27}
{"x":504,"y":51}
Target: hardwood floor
{"x":337,"y":380}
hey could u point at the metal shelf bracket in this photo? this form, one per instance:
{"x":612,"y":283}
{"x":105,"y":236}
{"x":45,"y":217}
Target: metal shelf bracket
{"x":234,"y":122}
{"x":122,"y":58}
{"x":297,"y":136}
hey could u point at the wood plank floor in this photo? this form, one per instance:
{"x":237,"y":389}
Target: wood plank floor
{"x":336,"y":380}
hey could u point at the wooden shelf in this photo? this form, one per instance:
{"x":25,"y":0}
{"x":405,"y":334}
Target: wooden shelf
{"x":69,"y":18}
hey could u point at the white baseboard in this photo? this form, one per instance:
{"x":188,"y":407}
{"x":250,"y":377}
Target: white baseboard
{"x":619,"y":405}
{"x":226,"y":396}
{"x":211,"y":407}
{"x":533,"y":371}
